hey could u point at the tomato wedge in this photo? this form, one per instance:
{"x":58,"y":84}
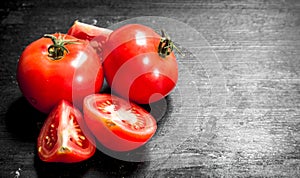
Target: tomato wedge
{"x":88,"y":32}
{"x":61,"y":138}
{"x":97,"y":36}
{"x":116,"y":123}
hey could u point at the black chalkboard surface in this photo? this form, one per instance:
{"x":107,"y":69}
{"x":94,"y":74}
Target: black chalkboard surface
{"x":235,"y":111}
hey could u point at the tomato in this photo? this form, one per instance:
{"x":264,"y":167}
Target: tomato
{"x":58,"y":67}
{"x":139,"y":64}
{"x":96,"y":35}
{"x":117,"y":124}
{"x":61,"y":138}
{"x":88,"y":32}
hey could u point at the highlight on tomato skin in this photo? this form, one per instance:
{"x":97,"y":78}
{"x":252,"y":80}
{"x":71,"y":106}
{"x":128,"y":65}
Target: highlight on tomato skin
{"x":61,"y":138}
{"x":117,"y":124}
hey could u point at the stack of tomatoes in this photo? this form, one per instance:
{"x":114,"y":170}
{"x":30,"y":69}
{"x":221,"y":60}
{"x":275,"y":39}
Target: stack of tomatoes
{"x":62,"y":75}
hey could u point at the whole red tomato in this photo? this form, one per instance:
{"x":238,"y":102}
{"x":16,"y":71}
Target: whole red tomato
{"x":139,"y":64}
{"x":57,"y":67}
{"x":117,"y":124}
{"x":61,"y":138}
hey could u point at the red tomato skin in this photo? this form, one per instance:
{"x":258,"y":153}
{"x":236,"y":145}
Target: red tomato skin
{"x":116,"y":138}
{"x":134,"y":69}
{"x":73,"y":153}
{"x":44,"y":81}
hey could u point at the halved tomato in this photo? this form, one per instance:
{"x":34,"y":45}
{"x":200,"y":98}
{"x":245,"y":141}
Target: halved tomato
{"x":118,"y":124}
{"x":61,"y":138}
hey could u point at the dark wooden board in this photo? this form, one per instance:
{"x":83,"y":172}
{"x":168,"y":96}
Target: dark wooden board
{"x":235,"y":111}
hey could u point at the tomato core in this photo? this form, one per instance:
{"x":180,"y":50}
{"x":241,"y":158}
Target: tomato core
{"x":128,"y":117}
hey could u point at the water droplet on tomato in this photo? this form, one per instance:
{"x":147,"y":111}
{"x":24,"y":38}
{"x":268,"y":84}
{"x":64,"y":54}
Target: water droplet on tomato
{"x":33,"y":101}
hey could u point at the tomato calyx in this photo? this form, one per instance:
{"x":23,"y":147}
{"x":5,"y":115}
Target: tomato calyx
{"x":58,"y":49}
{"x":166,"y":45}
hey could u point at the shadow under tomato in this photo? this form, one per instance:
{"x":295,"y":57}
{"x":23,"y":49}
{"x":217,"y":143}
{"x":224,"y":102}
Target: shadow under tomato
{"x":45,"y":169}
{"x":109,"y":166}
{"x":24,"y":121}
{"x":99,"y":165}
{"x":159,"y":108}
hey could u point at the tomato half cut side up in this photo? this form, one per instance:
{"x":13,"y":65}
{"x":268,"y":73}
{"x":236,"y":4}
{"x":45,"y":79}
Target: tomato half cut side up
{"x":118,"y":124}
{"x":61,"y":138}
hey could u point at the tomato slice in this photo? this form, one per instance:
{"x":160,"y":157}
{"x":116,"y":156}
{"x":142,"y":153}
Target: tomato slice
{"x":118,"y":124}
{"x":61,"y":138}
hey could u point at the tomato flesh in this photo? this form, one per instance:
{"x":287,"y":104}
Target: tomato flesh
{"x":117,"y":124}
{"x":61,"y":138}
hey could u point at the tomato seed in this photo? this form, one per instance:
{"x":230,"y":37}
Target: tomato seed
{"x":47,"y":139}
{"x":79,"y":143}
{"x":71,"y":116}
{"x":109,"y":123}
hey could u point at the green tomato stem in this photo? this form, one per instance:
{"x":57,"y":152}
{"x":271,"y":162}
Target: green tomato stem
{"x":166,"y":45}
{"x":58,"y":50}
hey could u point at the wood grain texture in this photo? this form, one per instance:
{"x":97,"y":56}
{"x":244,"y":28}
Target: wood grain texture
{"x":247,"y":80}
